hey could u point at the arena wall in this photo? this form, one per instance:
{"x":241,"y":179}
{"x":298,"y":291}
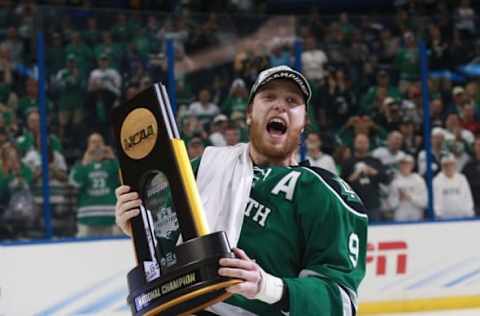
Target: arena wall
{"x":411,"y":267}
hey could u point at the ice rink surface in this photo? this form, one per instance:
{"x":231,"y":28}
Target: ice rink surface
{"x":460,"y":312}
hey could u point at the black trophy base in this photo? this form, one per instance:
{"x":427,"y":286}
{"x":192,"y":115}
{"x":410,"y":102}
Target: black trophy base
{"x":192,"y":284}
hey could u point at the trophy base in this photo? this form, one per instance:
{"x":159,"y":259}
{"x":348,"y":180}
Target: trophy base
{"x":190,"y":285}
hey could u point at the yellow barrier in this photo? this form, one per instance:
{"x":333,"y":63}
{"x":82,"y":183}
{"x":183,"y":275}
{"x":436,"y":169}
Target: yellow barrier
{"x":417,"y":305}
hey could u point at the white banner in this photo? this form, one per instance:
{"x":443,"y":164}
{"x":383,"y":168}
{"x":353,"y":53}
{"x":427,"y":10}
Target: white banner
{"x":405,"y":262}
{"x":415,"y":261}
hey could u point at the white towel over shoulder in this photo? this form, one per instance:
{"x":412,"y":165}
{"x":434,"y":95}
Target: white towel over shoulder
{"x":224,"y":181}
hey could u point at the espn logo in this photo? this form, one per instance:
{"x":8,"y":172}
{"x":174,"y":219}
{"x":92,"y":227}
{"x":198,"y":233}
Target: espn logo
{"x":393,"y":250}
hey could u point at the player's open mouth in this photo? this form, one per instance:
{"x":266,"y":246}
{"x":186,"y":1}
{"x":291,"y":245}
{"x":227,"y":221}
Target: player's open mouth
{"x":277,"y":126}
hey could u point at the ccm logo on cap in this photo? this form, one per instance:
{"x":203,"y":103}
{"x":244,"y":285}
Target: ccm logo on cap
{"x":289,"y":75}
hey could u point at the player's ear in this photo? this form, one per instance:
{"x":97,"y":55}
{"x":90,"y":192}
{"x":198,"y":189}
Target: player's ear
{"x":248,"y":115}
{"x":306,"y":120}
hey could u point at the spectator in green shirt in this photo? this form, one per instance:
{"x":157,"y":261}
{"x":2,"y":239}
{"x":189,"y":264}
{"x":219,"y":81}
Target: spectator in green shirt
{"x":111,"y":49}
{"x":238,"y":121}
{"x":143,"y":42}
{"x":96,"y":178}
{"x":16,"y":199}
{"x":30,"y":101}
{"x":12,"y":169}
{"x":91,"y":35}
{"x":346,"y":27}
{"x":82,"y":52}
{"x":55,"y":54}
{"x":184,"y":91}
{"x":383,"y":82}
{"x":31,"y":137}
{"x":71,"y":87}
{"x":407,"y":59}
{"x":237,"y":98}
{"x":121,"y":30}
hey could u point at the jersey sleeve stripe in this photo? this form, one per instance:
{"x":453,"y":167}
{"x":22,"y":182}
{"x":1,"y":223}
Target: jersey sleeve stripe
{"x":336,"y":194}
{"x":349,"y":305}
{"x":346,"y":304}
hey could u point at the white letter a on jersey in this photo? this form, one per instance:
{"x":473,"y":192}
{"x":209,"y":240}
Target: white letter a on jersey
{"x":287,"y":185}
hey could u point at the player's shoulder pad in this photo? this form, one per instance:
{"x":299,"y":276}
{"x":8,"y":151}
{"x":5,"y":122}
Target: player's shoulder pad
{"x":340,"y":188}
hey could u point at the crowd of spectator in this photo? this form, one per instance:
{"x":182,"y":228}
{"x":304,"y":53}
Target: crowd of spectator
{"x":366,"y":115}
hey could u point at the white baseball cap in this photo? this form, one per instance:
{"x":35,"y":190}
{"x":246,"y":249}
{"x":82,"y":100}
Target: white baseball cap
{"x":282,"y":72}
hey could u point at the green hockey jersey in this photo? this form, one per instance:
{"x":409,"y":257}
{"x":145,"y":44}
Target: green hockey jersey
{"x":96,"y":183}
{"x":306,"y":226}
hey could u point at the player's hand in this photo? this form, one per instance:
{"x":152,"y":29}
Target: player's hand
{"x":127,"y":207}
{"x":242,"y":268}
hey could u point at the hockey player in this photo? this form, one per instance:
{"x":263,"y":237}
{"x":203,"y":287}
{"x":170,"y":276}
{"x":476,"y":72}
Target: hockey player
{"x":301,"y":238}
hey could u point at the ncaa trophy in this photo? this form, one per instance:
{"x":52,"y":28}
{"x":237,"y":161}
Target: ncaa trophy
{"x":170,"y":278}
